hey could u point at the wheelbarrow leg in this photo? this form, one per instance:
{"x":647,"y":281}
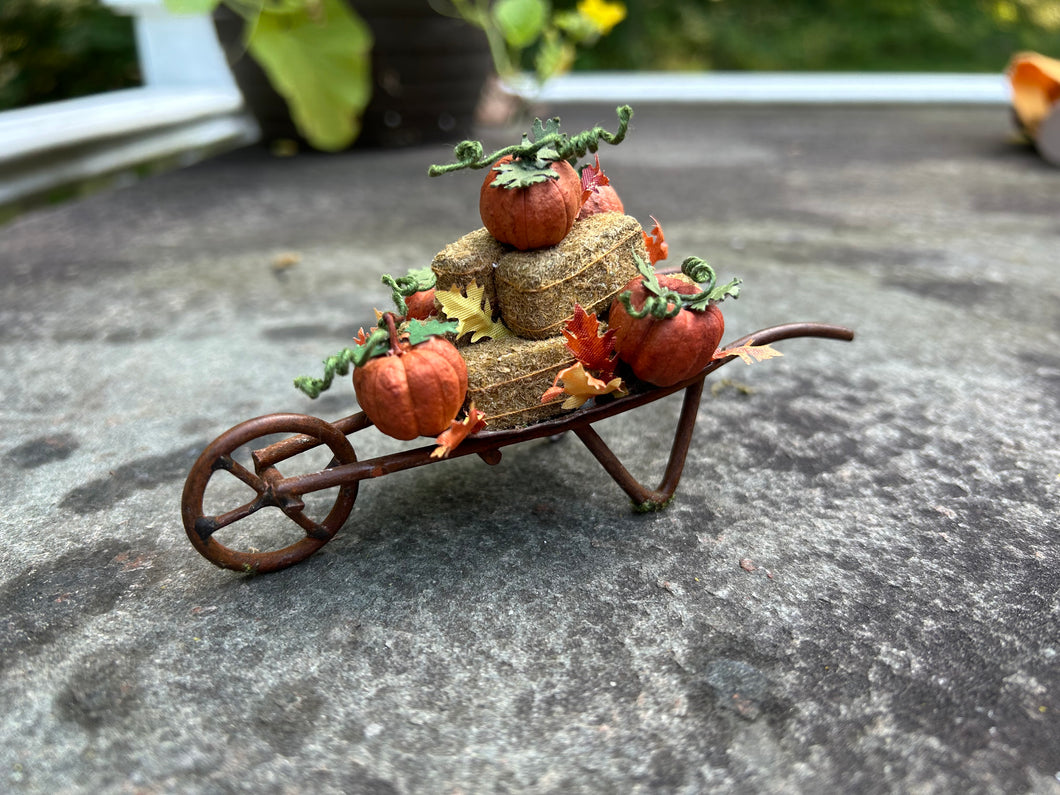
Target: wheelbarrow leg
{"x":645,"y":499}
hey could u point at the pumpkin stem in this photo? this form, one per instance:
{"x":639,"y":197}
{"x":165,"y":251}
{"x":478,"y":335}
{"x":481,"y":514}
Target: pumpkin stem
{"x":395,"y":341}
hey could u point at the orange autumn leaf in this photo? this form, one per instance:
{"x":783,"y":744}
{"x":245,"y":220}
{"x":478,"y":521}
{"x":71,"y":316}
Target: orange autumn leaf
{"x":458,"y":430}
{"x":580,"y":386}
{"x":361,"y":337}
{"x":750,"y":353}
{"x":655,"y":242}
{"x":594,"y":350}
{"x":1035,"y":83}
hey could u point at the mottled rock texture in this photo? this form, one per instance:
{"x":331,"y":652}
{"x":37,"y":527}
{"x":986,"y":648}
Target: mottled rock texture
{"x":856,"y":589}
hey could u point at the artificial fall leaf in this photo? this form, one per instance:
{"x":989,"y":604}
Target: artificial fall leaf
{"x":655,"y":242}
{"x":592,"y":178}
{"x":472,"y":313}
{"x":458,"y":430}
{"x":594,"y":350}
{"x":750,"y":353}
{"x":580,"y":386}
{"x":361,"y":337}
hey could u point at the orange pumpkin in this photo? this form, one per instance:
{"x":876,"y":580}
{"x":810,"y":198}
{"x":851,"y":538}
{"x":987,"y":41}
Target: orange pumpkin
{"x":665,"y":351}
{"x":666,"y":327}
{"x":535,"y":216}
{"x":603,"y":199}
{"x":413,"y":390}
{"x":420,"y":305}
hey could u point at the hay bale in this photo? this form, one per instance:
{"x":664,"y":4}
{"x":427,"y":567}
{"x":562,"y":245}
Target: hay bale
{"x":506,"y":379}
{"x":537,"y":290}
{"x":472,"y":258}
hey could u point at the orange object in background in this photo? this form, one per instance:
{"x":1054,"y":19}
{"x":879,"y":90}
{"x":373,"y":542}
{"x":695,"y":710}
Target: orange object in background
{"x":1035,"y":81}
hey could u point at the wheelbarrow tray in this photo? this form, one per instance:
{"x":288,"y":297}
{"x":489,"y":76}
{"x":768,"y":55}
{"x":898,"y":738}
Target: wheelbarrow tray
{"x":345,"y":472}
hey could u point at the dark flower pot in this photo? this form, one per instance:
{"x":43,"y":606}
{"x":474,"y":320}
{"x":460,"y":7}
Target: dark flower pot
{"x":428,"y":72}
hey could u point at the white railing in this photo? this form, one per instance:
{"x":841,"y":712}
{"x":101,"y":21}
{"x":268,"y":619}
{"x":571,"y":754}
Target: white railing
{"x":188,"y":106}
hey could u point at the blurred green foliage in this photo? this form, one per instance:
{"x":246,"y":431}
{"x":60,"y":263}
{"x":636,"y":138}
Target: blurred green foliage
{"x":58,"y":49}
{"x":826,"y":35}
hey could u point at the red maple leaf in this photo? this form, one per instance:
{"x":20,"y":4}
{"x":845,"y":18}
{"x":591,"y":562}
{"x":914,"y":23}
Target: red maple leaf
{"x":655,"y":242}
{"x":595,"y":351}
{"x":592,"y":178}
{"x":458,"y":430}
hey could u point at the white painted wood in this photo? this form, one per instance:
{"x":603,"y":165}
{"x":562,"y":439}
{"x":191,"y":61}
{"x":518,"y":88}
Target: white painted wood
{"x":751,"y":87}
{"x":189,"y":106}
{"x":26,"y":132}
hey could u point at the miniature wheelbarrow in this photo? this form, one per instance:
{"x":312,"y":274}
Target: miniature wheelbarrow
{"x":344,"y":473}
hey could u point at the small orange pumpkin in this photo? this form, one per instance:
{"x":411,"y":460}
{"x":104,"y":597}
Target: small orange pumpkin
{"x":420,"y":305}
{"x":662,"y":340}
{"x":603,"y":200}
{"x":535,"y":216}
{"x":413,"y":390}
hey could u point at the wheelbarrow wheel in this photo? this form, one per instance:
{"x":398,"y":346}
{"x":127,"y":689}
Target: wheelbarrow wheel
{"x":219,"y":457}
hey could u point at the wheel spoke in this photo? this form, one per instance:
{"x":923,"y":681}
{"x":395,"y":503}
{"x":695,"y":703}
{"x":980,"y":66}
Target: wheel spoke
{"x":206,"y":526}
{"x":312,"y":529}
{"x":244,"y":475}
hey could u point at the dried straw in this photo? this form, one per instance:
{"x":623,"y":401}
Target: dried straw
{"x":472,"y":258}
{"x":506,"y":379}
{"x":537,"y":290}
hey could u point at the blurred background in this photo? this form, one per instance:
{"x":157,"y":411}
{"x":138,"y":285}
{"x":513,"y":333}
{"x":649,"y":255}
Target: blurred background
{"x":59,"y":49}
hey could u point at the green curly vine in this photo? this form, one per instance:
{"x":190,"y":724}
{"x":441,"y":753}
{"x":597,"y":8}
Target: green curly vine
{"x":531,"y":158}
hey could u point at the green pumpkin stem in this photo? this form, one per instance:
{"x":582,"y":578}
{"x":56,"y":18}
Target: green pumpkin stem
{"x":531,"y":158}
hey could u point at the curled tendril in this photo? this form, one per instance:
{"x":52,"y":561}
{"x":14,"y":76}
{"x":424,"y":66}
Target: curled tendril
{"x":559,"y":146}
{"x":665,"y":305}
{"x":404,"y":286}
{"x":700,"y":272}
{"x":339,"y":364}
{"x":662,"y":302}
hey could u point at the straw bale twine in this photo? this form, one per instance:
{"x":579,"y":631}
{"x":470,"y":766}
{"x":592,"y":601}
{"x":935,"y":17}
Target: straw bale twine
{"x":537,"y":290}
{"x":506,"y":379}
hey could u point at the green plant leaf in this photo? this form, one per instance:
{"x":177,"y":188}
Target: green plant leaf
{"x":553,"y":57}
{"x":192,"y":6}
{"x":576,"y":26}
{"x":422,"y":330}
{"x":320,"y":64}
{"x":521,"y":21}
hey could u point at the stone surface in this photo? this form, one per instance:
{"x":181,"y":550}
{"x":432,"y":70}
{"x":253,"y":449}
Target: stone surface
{"x":856,"y":588}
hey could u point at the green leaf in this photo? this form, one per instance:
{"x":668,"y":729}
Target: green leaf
{"x":577,"y":27}
{"x":320,"y":64}
{"x":422,"y":330}
{"x":192,"y":6}
{"x":554,"y":57}
{"x":521,"y":21}
{"x":521,"y":174}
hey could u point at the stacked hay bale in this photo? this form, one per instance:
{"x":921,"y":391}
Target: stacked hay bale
{"x":534,"y":294}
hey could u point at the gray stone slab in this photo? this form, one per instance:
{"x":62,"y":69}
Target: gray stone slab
{"x":855,"y":590}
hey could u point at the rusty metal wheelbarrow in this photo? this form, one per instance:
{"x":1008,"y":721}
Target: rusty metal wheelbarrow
{"x":341,"y":478}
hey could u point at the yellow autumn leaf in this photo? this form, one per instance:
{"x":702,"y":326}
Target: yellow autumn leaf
{"x":581,"y":386}
{"x":749,"y":353}
{"x":472,"y":313}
